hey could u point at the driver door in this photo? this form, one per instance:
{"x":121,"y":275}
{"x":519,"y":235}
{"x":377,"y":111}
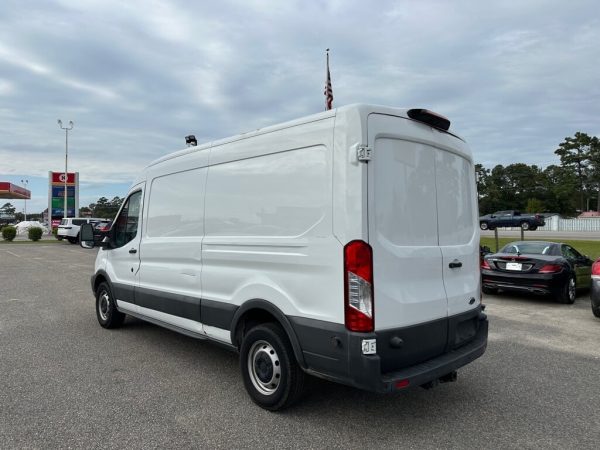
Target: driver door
{"x":123,"y":261}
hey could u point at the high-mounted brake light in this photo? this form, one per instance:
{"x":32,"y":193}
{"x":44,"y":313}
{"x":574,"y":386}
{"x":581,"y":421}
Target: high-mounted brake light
{"x":429,"y":117}
{"x":358,"y":287}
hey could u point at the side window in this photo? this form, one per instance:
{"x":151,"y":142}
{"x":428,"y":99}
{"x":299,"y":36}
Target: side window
{"x":574,"y":254}
{"x":126,"y":224}
{"x":570,"y":252}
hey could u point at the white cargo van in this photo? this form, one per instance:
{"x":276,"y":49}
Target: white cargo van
{"x":343,"y":245}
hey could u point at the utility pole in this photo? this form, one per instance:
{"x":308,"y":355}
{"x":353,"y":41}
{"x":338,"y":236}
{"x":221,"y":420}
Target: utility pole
{"x":67,"y":129}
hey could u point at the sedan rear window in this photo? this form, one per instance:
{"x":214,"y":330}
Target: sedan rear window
{"x":530,"y":248}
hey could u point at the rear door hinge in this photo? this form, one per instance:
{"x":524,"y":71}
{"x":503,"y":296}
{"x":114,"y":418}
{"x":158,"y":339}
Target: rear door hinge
{"x":363,"y":153}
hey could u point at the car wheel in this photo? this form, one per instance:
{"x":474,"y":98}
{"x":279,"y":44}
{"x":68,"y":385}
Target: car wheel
{"x":489,"y":290}
{"x":568,"y":291}
{"x":596,"y":309}
{"x":72,"y":240}
{"x":533,"y":227}
{"x":270,"y":371}
{"x":106,"y":309}
{"x":483,"y":225}
{"x":525,"y":225}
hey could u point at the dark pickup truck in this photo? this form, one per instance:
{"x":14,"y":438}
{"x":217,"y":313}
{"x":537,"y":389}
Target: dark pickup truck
{"x":511,"y":218}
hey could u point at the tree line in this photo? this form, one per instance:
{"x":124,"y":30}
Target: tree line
{"x":568,"y":188}
{"x":102,"y":208}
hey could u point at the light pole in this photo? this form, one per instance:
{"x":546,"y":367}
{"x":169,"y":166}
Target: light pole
{"x":67,"y":129}
{"x":25,"y":183}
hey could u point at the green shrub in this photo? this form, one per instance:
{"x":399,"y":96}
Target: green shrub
{"x":55,"y":232}
{"x":35,"y":233}
{"x":9,"y":233}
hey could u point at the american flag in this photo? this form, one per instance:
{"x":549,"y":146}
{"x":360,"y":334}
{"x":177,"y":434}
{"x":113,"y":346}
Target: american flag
{"x":328,"y":89}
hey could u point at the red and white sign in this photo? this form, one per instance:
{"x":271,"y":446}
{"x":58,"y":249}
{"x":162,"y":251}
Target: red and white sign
{"x":9,"y":190}
{"x":59,"y":178}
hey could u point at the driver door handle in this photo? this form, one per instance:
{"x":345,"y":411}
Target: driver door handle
{"x":455,"y":264}
{"x":132,"y":250}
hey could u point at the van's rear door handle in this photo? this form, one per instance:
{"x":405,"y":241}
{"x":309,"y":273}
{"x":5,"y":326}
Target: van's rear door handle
{"x":455,"y":264}
{"x":132,"y":250}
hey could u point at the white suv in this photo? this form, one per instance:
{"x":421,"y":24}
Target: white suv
{"x":69,"y":228}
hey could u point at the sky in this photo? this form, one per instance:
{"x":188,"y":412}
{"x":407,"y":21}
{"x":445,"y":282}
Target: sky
{"x":514,"y":77}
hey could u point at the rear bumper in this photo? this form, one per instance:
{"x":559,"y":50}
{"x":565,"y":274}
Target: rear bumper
{"x":333,"y":353}
{"x":533,"y":283}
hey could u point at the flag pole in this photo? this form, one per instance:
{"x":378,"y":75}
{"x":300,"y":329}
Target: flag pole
{"x":328,"y":89}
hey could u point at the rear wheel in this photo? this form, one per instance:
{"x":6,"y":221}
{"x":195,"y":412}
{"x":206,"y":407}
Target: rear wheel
{"x":270,"y":371}
{"x":568,"y":291}
{"x":483,"y":225}
{"x":106,"y":308}
{"x":525,"y":225}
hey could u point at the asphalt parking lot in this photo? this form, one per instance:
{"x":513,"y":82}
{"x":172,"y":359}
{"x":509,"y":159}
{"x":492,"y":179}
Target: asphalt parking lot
{"x":67,"y":382}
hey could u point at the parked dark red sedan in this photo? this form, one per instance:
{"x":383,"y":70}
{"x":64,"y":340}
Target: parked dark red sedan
{"x":595,"y":292}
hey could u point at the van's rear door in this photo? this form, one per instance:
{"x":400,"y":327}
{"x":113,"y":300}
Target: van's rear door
{"x":403,"y":226}
{"x":422,"y":224}
{"x":458,"y":231}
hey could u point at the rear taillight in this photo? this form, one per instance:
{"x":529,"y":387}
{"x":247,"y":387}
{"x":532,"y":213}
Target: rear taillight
{"x":596,"y":268}
{"x":358,"y":286}
{"x":485,"y":264}
{"x":550,"y":268}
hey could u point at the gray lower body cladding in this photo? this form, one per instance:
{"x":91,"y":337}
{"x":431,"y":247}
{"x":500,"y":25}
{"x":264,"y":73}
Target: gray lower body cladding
{"x":417,"y":354}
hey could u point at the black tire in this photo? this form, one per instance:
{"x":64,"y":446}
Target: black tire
{"x":567,"y":292}
{"x":489,"y":290}
{"x":525,"y":226}
{"x":72,"y":240}
{"x":483,"y":225}
{"x":106,"y":309}
{"x":271,"y":374}
{"x":596,"y":309}
{"x":533,"y":228}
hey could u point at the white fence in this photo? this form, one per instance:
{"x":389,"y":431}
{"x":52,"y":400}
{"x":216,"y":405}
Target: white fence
{"x":556,"y":223}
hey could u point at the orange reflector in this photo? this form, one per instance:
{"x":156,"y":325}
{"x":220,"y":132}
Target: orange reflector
{"x":401,"y":384}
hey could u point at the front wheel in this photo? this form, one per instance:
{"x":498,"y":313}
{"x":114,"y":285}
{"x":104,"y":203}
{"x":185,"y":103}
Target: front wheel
{"x":483,"y":225}
{"x":568,"y":291}
{"x":106,"y":310}
{"x":270,"y":371}
{"x":525,"y":225}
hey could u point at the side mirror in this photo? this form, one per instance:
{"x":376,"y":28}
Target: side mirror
{"x":86,"y":236}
